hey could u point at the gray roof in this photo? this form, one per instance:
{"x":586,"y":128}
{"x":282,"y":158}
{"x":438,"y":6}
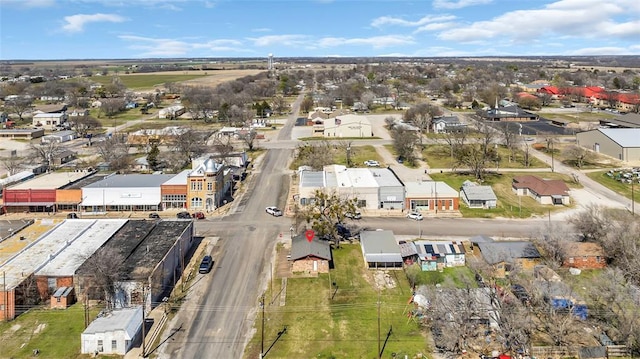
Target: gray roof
{"x":407,"y":249}
{"x":302,"y":248}
{"x":132,"y":180}
{"x":385,"y":177}
{"x":380,"y":246}
{"x":625,"y":137}
{"x":117,"y":320}
{"x":313,"y":179}
{"x":496,"y":252}
{"x":484,"y":193}
{"x":451,"y":120}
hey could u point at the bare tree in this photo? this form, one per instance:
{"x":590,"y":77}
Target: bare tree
{"x":12,"y":164}
{"x":103,"y":270}
{"x":554,"y":242}
{"x":421,"y":116}
{"x":199,"y":101}
{"x":115,"y":151}
{"x":510,"y":138}
{"x":316,"y":154}
{"x":111,"y":106}
{"x":280,"y":105}
{"x":19,"y":105}
{"x":593,"y":223}
{"x":577,"y":155}
{"x":404,"y":143}
{"x":84,"y":124}
{"x":45,"y":152}
{"x":189,"y":144}
{"x":307,"y":104}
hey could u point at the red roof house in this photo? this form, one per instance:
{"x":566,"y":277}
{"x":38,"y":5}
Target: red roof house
{"x":544,"y":191}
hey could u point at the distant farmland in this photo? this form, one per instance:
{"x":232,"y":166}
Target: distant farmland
{"x":157,"y":79}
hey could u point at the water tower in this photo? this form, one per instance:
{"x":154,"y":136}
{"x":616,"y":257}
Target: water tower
{"x":270,"y":62}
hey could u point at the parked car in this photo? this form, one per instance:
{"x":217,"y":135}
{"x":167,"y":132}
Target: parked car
{"x":417,"y":216}
{"x":372,"y":163}
{"x":206,"y":265}
{"x":154,"y":215}
{"x":72,"y":215}
{"x":343,"y":231}
{"x":400,"y":159}
{"x":356,"y":215}
{"x":198,"y":215}
{"x":274,"y":211}
{"x":183,"y":215}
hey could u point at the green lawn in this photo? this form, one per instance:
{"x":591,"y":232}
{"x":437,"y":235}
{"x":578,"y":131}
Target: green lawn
{"x":439,"y":156}
{"x":347,"y":326}
{"x":358,"y":155}
{"x":56,"y":333}
{"x":145,"y":81}
{"x":458,"y":277}
{"x":616,"y":186}
{"x":509,"y":205}
{"x":317,"y":138}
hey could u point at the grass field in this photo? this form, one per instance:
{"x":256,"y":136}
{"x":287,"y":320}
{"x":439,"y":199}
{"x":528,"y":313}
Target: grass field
{"x":357,"y":155}
{"x":616,"y":186}
{"x":55,"y":333}
{"x":439,"y":156}
{"x":509,"y":205}
{"x":139,"y":81}
{"x":458,"y":277}
{"x":345,"y":326}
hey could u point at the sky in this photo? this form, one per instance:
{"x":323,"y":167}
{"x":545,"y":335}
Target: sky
{"x":129,"y":29}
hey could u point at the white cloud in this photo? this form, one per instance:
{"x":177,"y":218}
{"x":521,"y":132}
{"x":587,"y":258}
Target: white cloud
{"x":376,"y":42}
{"x":606,"y":50}
{"x":261,"y":29}
{"x":28,"y":3}
{"x":434,"y":27}
{"x":564,"y":18}
{"x":149,"y":47}
{"x":277,"y":40}
{"x":459,"y":4}
{"x":76,"y":23}
{"x":390,"y":20}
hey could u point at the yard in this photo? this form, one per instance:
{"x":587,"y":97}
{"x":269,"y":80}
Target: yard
{"x":142,"y":81}
{"x":509,"y":205}
{"x":358,"y":154}
{"x":439,"y":156}
{"x":55,"y":333}
{"x":341,"y":321}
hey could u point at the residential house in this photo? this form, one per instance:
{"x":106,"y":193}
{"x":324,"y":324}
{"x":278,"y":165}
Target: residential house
{"x":63,"y":157}
{"x":431,"y":196}
{"x":114,"y":333}
{"x":544,"y":191}
{"x":506,"y":256}
{"x":380,"y":250}
{"x":436,"y":255}
{"x":584,"y":255}
{"x":171,"y":112}
{"x":447,"y":124}
{"x":476,"y":196}
{"x":311,"y":257}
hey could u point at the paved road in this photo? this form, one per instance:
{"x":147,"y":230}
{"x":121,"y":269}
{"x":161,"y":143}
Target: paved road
{"x":218,"y":324}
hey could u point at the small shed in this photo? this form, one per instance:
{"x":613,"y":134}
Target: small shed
{"x":436,"y":255}
{"x":310,"y":256}
{"x":59,"y":137}
{"x":380,"y":249}
{"x":114,"y":333}
{"x":62,"y":298}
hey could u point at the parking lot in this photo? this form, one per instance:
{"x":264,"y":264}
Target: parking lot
{"x":540,"y":127}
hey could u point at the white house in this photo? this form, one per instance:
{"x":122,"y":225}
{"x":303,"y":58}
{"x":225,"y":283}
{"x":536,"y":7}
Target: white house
{"x":115,"y":333}
{"x":49,"y":120}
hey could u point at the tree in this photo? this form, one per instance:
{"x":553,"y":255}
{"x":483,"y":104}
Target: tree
{"x":189,"y":145}
{"x":199,"y":101}
{"x":111,"y":106}
{"x":421,"y":116}
{"x":249,"y":139}
{"x":315,"y":154}
{"x":593,"y":223}
{"x":152,"y":156}
{"x":280,"y":105}
{"x":326,"y":211}
{"x":12,"y":164}
{"x":45,"y":152}
{"x":19,"y":105}
{"x":545,"y":99}
{"x":529,"y":103}
{"x":84,"y":124}
{"x":576,"y":154}
{"x":510,"y":133}
{"x":103,"y":270}
{"x":404,"y":143}
{"x":554,"y":242}
{"x":115,"y":151}
{"x":307,"y":104}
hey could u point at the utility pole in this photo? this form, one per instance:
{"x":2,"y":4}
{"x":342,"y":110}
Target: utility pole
{"x":262,"y":329}
{"x":552,"y":163}
{"x":379,"y":354}
{"x":6,"y":298}
{"x":144,"y":349}
{"x":633,"y":200}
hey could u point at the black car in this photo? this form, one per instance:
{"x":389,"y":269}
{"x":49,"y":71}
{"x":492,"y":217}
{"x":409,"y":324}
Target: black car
{"x":154,"y":215}
{"x":183,"y":215}
{"x":72,"y":215}
{"x":206,"y":265}
{"x":343,"y":231}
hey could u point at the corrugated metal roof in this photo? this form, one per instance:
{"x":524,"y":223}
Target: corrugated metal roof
{"x":496,"y":252}
{"x":380,"y":246}
{"x":478,"y":193}
{"x":132,"y":180}
{"x":301,"y":248}
{"x":429,"y":189}
{"x":313,"y":179}
{"x":625,"y":137}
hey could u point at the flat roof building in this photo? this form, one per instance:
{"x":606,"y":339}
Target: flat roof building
{"x":131,"y":192}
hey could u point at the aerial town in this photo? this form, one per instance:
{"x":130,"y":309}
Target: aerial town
{"x":326,"y":208}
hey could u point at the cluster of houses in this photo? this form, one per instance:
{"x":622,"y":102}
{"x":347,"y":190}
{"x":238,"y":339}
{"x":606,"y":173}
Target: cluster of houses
{"x":382,"y":189}
{"x":205,"y":187}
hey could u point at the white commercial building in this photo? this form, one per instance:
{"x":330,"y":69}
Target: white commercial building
{"x":132,"y":192}
{"x":49,"y":121}
{"x":348,"y":126}
{"x":115,"y":333}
